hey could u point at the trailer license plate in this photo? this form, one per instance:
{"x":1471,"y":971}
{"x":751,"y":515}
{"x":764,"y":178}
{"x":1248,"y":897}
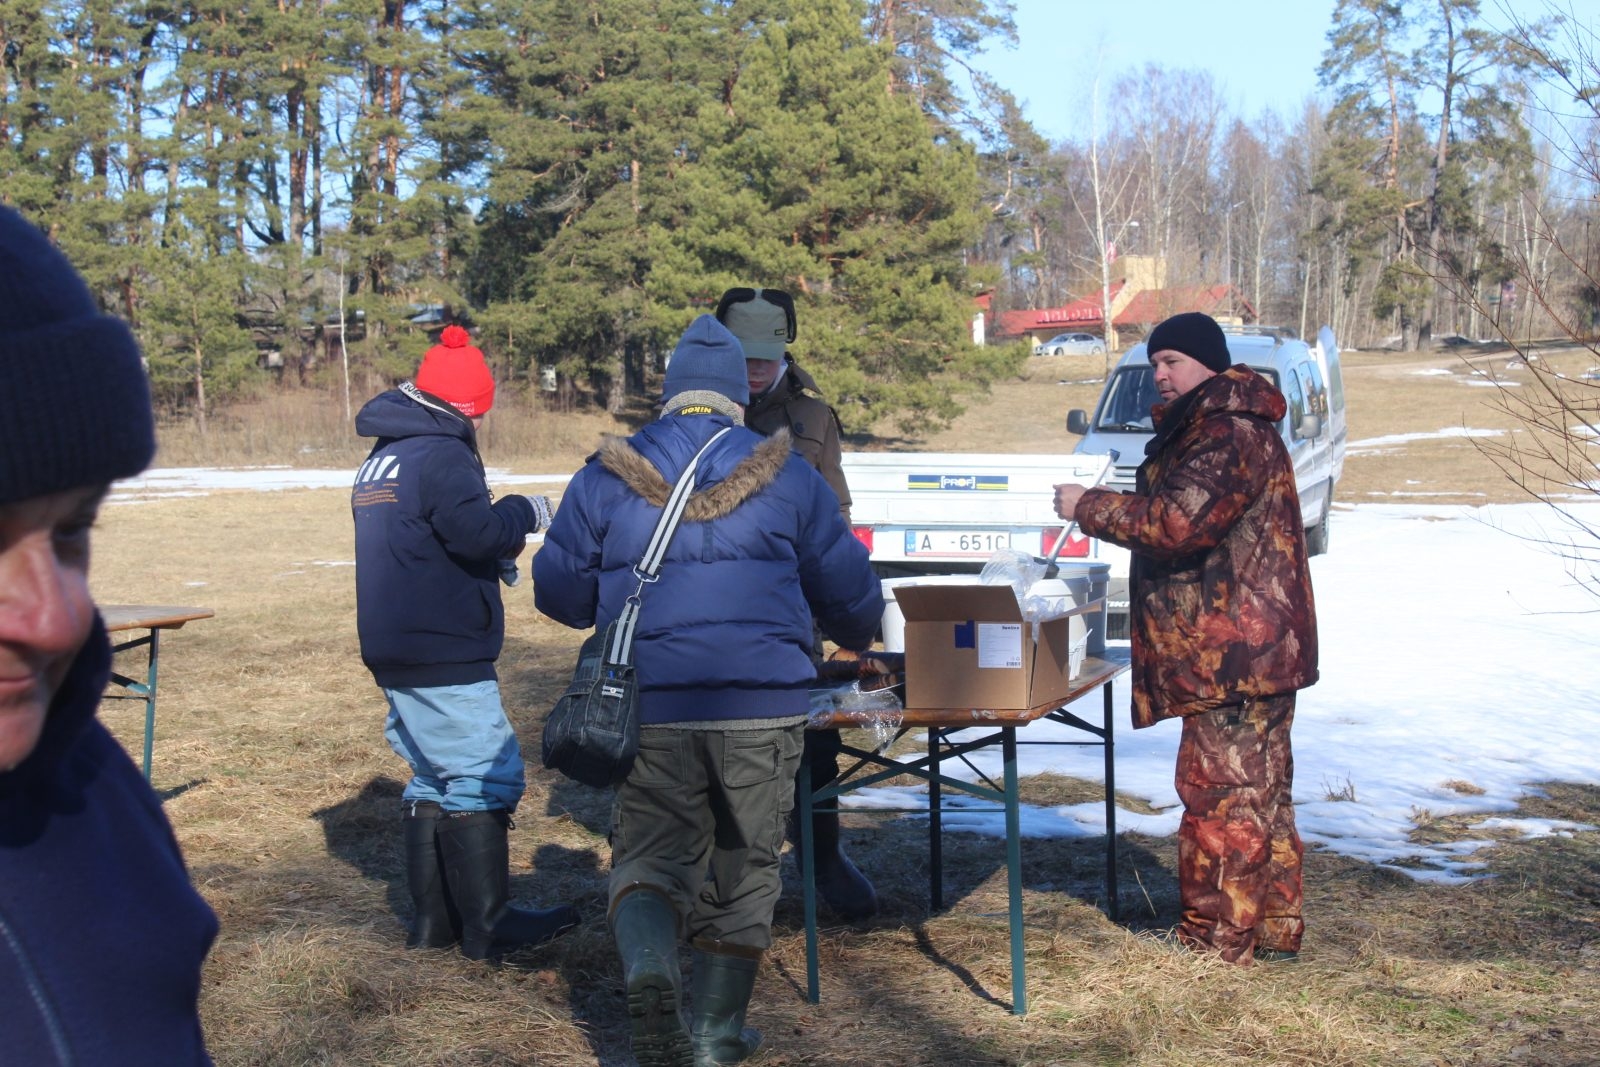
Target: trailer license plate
{"x":955,"y":542}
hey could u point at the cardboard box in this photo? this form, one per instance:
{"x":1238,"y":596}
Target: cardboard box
{"x":968,"y":646}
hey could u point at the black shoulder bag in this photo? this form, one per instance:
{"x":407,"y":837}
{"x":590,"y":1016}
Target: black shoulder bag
{"x":592,"y":733}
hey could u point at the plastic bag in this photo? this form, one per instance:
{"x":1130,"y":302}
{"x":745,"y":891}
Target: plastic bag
{"x":877,"y":711}
{"x":1014,"y":568}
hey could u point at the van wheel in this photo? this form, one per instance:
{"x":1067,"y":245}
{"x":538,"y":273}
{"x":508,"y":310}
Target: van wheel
{"x":1317,"y":536}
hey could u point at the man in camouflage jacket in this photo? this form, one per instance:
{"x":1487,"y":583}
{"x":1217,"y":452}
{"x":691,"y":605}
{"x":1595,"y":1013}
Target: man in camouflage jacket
{"x":1224,"y":631}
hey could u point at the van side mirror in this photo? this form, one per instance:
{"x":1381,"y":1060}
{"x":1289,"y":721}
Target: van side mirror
{"x":1078,"y":421}
{"x":1310,"y":426}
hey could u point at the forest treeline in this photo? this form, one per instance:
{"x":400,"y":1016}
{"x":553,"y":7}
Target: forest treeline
{"x":258,"y":181}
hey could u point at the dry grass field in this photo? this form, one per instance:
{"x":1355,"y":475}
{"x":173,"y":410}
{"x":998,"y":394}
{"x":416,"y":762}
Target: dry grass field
{"x":270,"y":759}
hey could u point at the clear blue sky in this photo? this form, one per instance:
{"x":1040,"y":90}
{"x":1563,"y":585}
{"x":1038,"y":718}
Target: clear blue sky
{"x":1262,"y":53}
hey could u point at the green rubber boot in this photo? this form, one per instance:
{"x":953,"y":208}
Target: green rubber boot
{"x":723,"y":982}
{"x":645,"y":926}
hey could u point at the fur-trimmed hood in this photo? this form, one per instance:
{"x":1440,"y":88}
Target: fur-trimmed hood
{"x":752,"y":474}
{"x":725,"y":631}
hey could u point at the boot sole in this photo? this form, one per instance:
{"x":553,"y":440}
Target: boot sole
{"x":659,"y":1037}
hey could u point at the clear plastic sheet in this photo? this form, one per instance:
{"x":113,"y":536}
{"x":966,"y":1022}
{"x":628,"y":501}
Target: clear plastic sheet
{"x":877,"y":711}
{"x":1023,"y":573}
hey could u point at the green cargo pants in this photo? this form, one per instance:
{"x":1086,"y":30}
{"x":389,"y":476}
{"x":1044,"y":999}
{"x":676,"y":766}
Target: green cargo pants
{"x":701,"y":818}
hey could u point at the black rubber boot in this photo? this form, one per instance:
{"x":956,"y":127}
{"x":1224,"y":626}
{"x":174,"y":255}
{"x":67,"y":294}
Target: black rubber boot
{"x":723,"y":982}
{"x":436,"y":923}
{"x":840,"y":883}
{"x":475,"y":853}
{"x":645,"y":926}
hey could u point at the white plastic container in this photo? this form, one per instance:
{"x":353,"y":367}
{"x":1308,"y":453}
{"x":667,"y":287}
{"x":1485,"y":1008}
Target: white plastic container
{"x":894,"y":622}
{"x":1077,"y":584}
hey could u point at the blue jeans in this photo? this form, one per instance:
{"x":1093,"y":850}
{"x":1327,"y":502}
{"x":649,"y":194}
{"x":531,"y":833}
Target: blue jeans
{"x":460,"y":745}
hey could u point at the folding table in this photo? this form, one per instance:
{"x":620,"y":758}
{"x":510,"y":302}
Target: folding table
{"x":943,"y":726}
{"x":152,"y":619}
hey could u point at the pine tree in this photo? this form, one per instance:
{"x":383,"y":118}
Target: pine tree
{"x":1402,"y":195}
{"x":598,"y":103}
{"x":815,"y":178}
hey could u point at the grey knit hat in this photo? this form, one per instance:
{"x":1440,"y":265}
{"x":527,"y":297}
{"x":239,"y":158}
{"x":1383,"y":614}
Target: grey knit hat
{"x":708,"y":359}
{"x":75,"y":406}
{"x":1196,"y":335}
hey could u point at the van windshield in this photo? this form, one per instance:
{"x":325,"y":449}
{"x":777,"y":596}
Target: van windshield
{"x":1131,"y":394}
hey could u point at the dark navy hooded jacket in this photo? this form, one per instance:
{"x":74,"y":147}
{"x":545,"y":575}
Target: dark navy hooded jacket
{"x":726,"y":632}
{"x":428,"y":540}
{"x":102,"y":936}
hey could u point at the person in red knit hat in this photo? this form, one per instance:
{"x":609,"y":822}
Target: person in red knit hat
{"x":431,"y":542}
{"x":456,"y":372}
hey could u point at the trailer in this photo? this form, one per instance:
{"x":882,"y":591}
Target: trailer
{"x":949,"y":512}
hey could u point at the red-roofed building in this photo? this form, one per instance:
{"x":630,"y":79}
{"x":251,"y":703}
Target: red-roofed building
{"x":1222,"y":302}
{"x":1138,"y":302}
{"x":1044,"y":323}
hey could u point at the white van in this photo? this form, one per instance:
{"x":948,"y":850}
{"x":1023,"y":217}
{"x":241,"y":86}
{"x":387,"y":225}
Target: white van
{"x":1314,"y":429}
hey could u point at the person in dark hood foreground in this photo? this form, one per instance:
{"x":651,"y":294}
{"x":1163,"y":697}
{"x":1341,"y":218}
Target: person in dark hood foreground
{"x":431,"y":549}
{"x":1224,"y":632}
{"x":102,"y":936}
{"x":723,"y":661}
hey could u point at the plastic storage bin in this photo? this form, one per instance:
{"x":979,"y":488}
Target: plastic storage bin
{"x":1079,"y":583}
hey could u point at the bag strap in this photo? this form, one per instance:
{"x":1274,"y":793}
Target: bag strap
{"x":648,"y":569}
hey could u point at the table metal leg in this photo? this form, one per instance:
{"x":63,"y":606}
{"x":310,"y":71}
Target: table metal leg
{"x":808,"y":880}
{"x":935,"y":824}
{"x":1019,"y":973}
{"x":145,"y":690}
{"x":150,"y":701}
{"x":1112,"y":908}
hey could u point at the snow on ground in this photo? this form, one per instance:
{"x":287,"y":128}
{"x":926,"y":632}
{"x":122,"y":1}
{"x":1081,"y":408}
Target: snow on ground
{"x":1458,"y":669}
{"x":1388,"y":443}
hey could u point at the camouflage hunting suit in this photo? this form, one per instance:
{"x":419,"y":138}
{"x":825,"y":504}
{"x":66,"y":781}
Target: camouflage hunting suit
{"x":1224,"y":633}
{"x":1238,"y":851}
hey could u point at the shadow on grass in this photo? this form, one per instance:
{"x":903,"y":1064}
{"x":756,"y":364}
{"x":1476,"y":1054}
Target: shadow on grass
{"x":364,"y":832}
{"x":175,"y":791}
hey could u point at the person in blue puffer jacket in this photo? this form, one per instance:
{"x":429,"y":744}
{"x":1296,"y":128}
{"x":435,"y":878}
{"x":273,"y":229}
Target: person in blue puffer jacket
{"x":431,"y":546}
{"x":723,"y":659}
{"x":102,"y":935}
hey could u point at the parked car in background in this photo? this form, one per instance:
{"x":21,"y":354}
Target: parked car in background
{"x":1071,"y":344}
{"x":1314,"y":430}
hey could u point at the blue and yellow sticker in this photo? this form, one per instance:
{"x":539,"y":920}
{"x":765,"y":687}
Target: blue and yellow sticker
{"x":988,"y":483}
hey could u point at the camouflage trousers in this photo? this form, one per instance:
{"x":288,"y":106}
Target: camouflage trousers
{"x":1238,"y":852}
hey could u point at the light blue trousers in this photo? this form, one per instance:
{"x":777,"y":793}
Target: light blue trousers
{"x":460,"y":745}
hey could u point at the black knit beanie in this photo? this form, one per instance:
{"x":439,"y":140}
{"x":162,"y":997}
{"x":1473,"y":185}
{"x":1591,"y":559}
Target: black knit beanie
{"x":74,"y":400}
{"x":1196,"y":335}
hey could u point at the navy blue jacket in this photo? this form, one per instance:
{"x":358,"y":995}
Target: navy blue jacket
{"x":102,"y":936}
{"x":726,"y":631}
{"x":427,"y":544}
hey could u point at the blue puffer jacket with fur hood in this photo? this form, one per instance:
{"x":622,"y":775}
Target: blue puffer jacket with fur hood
{"x":726,"y":631}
